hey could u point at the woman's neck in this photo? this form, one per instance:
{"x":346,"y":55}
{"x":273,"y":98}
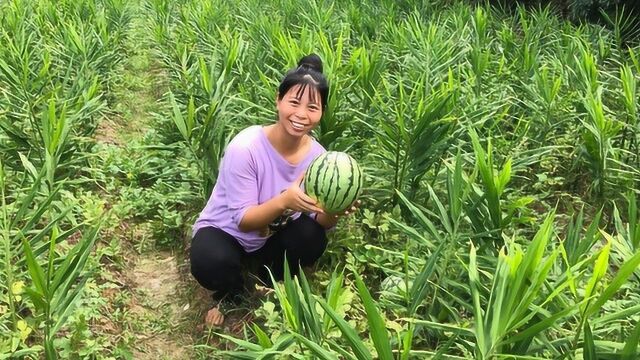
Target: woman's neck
{"x":283,"y":142}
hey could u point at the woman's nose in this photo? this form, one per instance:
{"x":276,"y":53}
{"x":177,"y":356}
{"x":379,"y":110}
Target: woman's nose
{"x":301,"y":113}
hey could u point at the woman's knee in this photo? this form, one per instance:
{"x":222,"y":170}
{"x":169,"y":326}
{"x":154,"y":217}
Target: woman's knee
{"x":215,"y":270}
{"x":311,"y":242}
{"x":315,"y":250}
{"x":215,"y":264}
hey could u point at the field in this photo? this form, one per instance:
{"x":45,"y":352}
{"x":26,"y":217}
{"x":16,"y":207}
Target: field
{"x":501,"y":148}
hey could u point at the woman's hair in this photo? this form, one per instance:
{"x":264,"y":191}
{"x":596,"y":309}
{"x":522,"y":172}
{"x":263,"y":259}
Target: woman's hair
{"x":308,"y":72}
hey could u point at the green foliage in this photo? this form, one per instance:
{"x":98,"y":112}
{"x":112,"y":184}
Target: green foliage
{"x":55,"y":68}
{"x":56,"y":281}
{"x":501,"y":147}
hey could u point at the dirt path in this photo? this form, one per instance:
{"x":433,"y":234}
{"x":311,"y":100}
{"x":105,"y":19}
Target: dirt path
{"x":157,"y":282}
{"x":158,"y":311}
{"x":154,"y":308}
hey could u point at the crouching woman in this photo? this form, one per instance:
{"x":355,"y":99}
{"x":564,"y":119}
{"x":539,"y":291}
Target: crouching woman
{"x":258,"y":213}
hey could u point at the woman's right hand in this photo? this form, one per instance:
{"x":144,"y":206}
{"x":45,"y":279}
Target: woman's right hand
{"x":295,"y":199}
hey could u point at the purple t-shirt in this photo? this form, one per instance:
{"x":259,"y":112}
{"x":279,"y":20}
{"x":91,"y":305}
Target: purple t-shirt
{"x":251,"y":172}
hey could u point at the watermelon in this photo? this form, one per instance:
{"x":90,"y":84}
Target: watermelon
{"x":334,"y":180}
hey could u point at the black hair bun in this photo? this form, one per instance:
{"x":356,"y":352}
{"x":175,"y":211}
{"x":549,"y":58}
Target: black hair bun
{"x":311,"y":61}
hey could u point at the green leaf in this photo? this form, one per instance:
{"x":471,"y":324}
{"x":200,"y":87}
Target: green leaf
{"x":505,"y":177}
{"x":66,"y":305}
{"x":540,"y":326}
{"x":263,"y":338}
{"x":283,"y":342}
{"x":28,"y":166}
{"x":37,"y":298}
{"x":599,"y":270}
{"x":25,"y":203}
{"x":35,"y":217}
{"x":474,"y":280}
{"x":340,"y":350}
{"x":421,"y":283}
{"x":74,"y":261}
{"x":284,"y":302}
{"x":525,"y":274}
{"x":311,"y":318}
{"x":35,"y":270}
{"x":444,"y":215}
{"x":335,"y":291}
{"x":455,"y":193}
{"x":293,"y":297}
{"x":242,"y":343}
{"x":621,"y":277}
{"x":634,"y":221}
{"x":441,"y":353}
{"x":589,"y":346}
{"x":178,"y":119}
{"x":377,"y":328}
{"x":407,"y":341}
{"x":630,"y":351}
{"x":350,"y":335}
{"x":317,"y":350}
{"x":419,"y":216}
{"x":242,"y":355}
{"x":484,"y":162}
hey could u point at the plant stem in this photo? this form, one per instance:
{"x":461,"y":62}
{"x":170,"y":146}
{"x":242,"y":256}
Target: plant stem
{"x":7,"y":249}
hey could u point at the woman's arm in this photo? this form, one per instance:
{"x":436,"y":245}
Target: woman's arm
{"x":257,"y":217}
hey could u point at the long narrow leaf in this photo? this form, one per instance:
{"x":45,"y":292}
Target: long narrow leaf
{"x":588,"y":345}
{"x":621,"y":277}
{"x":377,"y":328}
{"x":630,"y":351}
{"x":350,"y":335}
{"x":35,"y":270}
{"x":421,"y":283}
{"x":317,"y":350}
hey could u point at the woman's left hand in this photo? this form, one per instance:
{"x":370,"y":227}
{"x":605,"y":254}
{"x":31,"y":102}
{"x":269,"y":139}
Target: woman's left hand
{"x":350,"y":210}
{"x":328,"y":220}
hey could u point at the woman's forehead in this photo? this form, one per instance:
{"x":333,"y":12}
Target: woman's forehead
{"x":299,"y":90}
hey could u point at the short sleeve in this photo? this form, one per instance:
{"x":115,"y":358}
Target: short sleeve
{"x":240,"y":179}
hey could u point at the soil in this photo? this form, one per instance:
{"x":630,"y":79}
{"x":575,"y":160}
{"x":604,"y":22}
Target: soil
{"x":164,"y":306}
{"x":156,"y":283}
{"x":160,"y":311}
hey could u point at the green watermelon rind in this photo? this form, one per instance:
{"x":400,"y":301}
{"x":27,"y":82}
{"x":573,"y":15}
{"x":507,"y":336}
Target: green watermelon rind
{"x":323,"y":177}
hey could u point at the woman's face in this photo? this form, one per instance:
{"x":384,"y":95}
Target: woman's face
{"x":299,"y":110}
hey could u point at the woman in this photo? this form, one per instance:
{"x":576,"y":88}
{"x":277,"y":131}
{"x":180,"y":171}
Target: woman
{"x":258,"y":211}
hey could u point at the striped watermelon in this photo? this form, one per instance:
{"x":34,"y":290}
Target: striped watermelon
{"x":334,"y":179}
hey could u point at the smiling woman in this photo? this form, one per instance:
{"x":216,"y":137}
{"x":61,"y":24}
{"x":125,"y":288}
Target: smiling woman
{"x":258,"y":211}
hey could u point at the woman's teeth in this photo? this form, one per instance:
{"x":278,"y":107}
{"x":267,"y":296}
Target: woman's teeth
{"x":297,"y":126}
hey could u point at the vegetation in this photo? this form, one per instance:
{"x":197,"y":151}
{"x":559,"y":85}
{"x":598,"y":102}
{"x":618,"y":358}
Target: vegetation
{"x":501,"y":149}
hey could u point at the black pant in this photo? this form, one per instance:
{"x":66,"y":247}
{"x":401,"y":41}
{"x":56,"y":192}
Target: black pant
{"x":218,"y":261}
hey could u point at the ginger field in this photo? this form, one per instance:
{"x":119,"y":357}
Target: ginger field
{"x":499,"y":218}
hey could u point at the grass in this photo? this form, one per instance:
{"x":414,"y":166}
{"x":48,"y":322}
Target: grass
{"x":501,"y":157}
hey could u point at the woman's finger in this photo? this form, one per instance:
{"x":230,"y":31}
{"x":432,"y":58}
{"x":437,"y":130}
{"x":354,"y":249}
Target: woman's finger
{"x":306,"y":206}
{"x":299,"y":180}
{"x":316,"y":209}
{"x":310,"y":203}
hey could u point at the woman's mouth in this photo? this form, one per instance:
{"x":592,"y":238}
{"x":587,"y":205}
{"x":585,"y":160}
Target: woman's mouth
{"x":296,"y":125}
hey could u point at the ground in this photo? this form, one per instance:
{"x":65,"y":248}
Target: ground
{"x":163,"y":303}
{"x":163,"y":307}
